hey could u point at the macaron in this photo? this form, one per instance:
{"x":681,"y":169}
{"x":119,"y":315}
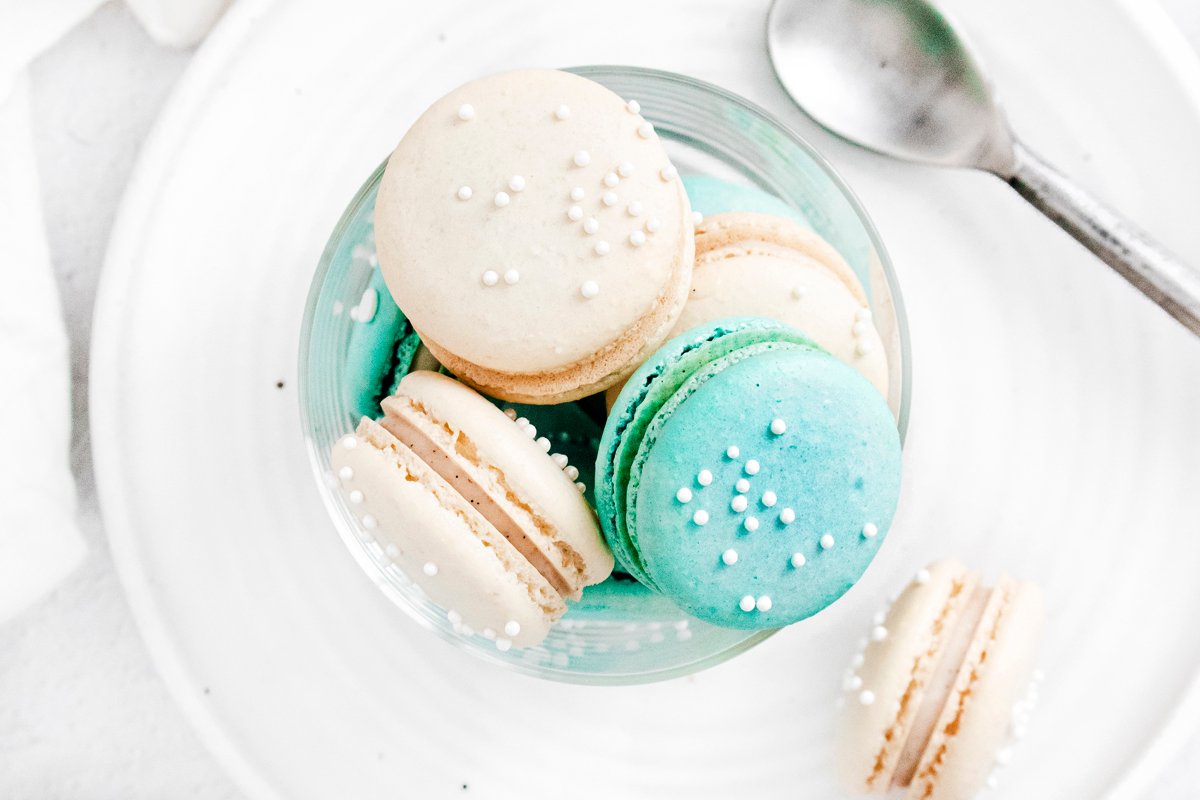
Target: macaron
{"x":945,"y":682}
{"x":573,"y":436}
{"x":747,"y":475}
{"x":471,"y":506}
{"x":771,"y":266}
{"x":381,"y":349}
{"x":533,"y":230}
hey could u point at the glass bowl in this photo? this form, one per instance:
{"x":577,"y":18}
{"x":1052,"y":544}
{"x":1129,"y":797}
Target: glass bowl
{"x":620,"y":632}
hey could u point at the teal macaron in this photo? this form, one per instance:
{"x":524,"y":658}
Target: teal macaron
{"x":380,"y":351}
{"x":747,"y":475}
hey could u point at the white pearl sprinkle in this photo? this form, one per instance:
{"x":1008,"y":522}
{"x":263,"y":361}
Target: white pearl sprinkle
{"x":704,"y":478}
{"x":879,"y":618}
{"x":738,"y":503}
{"x":346,"y":473}
{"x":562,"y":112}
{"x":625,"y":169}
{"x":503,"y":645}
{"x":878,"y":633}
{"x":560,"y":460}
{"x":763,"y":603}
{"x":751,"y":524}
{"x":922,"y":577}
{"x":591,"y":225}
{"x":668,"y":172}
{"x":582,"y":158}
{"x":572,"y":472}
{"x":769,"y":499}
{"x":581,"y":487}
{"x":732,"y":451}
{"x":797,"y":292}
{"x":861,"y":328}
{"x":430,"y":568}
{"x":356,"y":497}
{"x":512,"y":628}
{"x":543,"y":443}
{"x":609,"y":198}
{"x":530,"y":430}
{"x":369,"y":522}
{"x":729,"y":557}
{"x":852,"y":683}
{"x":697,"y":218}
{"x":511,"y":413}
{"x":611,"y":180}
{"x":637,"y":238}
{"x":747,"y":603}
{"x":635,"y":208}
{"x":511,"y":277}
{"x":752,"y":467}
{"x":867,"y":697}
{"x":517,"y":183}
{"x":601,"y":248}
{"x":490,"y":277}
{"x":827,"y":541}
{"x":467,"y":630}
{"x":778,"y":426}
{"x":787,"y":516}
{"x":645,"y":130}
{"x":577,"y":194}
{"x":349,"y":443}
{"x":870,"y":530}
{"x":465,"y":192}
{"x":700,"y":517}
{"x":502,"y":199}
{"x":742,"y":485}
{"x":633,"y":107}
{"x":466,"y":112}
{"x":863,"y":314}
{"x":863,"y":347}
{"x":1003,"y":756}
{"x":684,"y":495}
{"x":454,"y":617}
{"x":589,"y":289}
{"x":575,"y":213}
{"x":797,"y":560}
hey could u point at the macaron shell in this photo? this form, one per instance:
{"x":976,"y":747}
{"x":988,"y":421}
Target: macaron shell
{"x":721,"y":230}
{"x":796,"y":290}
{"x":435,"y":247}
{"x":870,"y":737}
{"x":479,"y":575}
{"x":635,"y":406}
{"x":974,"y":724}
{"x":837,"y":467}
{"x":515,"y":470}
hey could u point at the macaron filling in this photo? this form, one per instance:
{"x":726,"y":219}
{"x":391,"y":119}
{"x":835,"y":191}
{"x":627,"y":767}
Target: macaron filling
{"x":523,"y":536}
{"x":939,"y":688}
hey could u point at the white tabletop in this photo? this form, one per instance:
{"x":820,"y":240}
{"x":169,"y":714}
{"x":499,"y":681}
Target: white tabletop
{"x":82,"y":712}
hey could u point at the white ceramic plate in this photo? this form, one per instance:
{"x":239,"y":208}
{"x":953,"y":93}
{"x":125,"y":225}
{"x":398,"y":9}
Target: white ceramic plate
{"x":1053,"y":432}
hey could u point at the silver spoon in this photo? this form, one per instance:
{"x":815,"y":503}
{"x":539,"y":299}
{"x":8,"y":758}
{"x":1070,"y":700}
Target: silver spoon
{"x":893,"y":76}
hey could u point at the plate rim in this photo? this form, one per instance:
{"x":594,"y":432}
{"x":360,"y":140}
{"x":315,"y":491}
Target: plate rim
{"x":168,"y":135}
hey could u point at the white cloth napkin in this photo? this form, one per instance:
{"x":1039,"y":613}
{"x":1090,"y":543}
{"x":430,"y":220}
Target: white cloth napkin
{"x":40,"y":541}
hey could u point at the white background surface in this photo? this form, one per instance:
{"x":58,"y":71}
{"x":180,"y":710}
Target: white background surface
{"x":82,"y":713}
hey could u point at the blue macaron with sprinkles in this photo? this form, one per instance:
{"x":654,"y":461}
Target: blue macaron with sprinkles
{"x":747,"y":475}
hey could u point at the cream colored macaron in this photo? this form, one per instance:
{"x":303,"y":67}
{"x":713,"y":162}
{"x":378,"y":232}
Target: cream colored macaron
{"x":941,"y":686}
{"x":472,"y":508}
{"x":533,"y":230}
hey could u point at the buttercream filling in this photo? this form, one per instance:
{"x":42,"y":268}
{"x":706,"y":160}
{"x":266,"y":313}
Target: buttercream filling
{"x":441,"y":462}
{"x":940,"y":685}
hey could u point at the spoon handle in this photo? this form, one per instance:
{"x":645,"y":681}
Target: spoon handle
{"x":1143,"y":262}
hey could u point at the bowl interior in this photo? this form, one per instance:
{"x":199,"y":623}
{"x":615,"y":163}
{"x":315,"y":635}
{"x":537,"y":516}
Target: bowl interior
{"x":620,"y":632}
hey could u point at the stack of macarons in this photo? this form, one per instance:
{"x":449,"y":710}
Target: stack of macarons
{"x":540,"y":247}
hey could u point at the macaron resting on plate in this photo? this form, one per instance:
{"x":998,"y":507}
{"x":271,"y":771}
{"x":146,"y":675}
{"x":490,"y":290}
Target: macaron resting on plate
{"x":472,"y":509}
{"x":535,"y":233}
{"x":763,"y":475}
{"x":941,"y":686}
